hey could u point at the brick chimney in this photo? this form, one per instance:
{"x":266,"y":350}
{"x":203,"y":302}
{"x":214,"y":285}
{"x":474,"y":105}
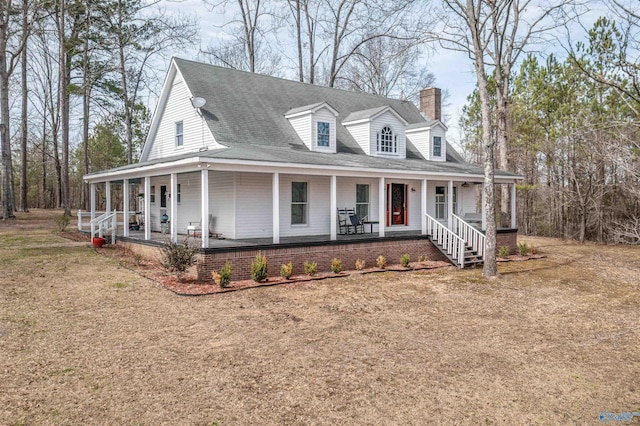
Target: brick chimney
{"x":431,"y":103}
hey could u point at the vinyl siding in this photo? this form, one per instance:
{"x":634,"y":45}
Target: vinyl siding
{"x":254,"y":212}
{"x":346,"y":194}
{"x":189,"y":206}
{"x":420,"y":140}
{"x":302,"y":126}
{"x":468,"y":199}
{"x":179,"y":108}
{"x":318,"y":219}
{"x":361,"y":132}
{"x":438,"y":131}
{"x":222,"y":202}
{"x":325,"y":115}
{"x":398,"y":129}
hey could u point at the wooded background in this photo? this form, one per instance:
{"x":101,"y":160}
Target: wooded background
{"x":78,"y":79}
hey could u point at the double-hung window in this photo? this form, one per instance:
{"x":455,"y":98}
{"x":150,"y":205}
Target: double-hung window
{"x":152,"y":196}
{"x":437,"y":146}
{"x":386,"y":141}
{"x":179,"y":133}
{"x":299,"y":202}
{"x":178,"y":195}
{"x":362,"y":201}
{"x":441,"y":201}
{"x":323,"y":133}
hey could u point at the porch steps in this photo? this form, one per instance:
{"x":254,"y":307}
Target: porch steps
{"x":471,"y":257}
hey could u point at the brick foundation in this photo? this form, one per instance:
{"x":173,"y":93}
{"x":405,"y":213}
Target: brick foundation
{"x":507,"y":237}
{"x":322,"y":254}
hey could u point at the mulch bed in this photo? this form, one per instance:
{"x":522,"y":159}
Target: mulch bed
{"x":520,"y":258}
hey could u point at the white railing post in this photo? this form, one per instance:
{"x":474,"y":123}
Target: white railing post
{"x":114,"y":226}
{"x":79,"y":220}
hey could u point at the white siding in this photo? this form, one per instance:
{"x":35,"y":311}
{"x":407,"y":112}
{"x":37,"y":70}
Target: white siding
{"x":254,"y":203}
{"x":318,"y":219}
{"x":179,"y":108}
{"x":222,"y":202}
{"x":189,"y":206}
{"x":327,"y":116}
{"x":420,"y":139}
{"x":360,"y":132}
{"x":413,"y":205}
{"x":438,"y":131}
{"x":468,"y":202}
{"x":302,"y":126}
{"x":156,"y":210}
{"x":398,"y":129}
{"x":346,"y":194}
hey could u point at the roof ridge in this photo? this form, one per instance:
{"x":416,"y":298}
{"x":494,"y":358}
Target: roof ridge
{"x":177,"y":58}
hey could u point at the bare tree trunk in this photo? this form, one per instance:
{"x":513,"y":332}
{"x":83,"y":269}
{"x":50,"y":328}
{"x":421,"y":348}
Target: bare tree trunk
{"x":86,"y":98}
{"x":6,"y":167}
{"x":64,"y":111}
{"x":24,"y":125}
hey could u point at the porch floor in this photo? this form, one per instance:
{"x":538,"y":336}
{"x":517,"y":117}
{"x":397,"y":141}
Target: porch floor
{"x":214,"y":243}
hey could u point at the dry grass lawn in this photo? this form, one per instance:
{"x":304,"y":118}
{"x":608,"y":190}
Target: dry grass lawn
{"x":84,"y":340}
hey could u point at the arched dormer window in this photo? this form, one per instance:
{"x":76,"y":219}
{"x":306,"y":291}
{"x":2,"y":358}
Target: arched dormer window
{"x":387,"y":141}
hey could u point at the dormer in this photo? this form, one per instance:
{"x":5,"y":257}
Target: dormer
{"x":429,"y":138}
{"x":380,"y":132}
{"x":315,"y":125}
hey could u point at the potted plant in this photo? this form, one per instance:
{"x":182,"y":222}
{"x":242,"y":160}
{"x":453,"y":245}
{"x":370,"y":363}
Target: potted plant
{"x":97,"y":242}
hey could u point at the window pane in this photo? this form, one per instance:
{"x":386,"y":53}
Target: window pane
{"x":179,"y":132}
{"x":298,"y":214}
{"x":299,"y":192}
{"x":323,"y":133}
{"x":437,"y":146}
{"x":362,"y":211}
{"x":362,"y":193}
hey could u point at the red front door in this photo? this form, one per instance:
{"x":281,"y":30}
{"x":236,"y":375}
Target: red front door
{"x":398,"y":204}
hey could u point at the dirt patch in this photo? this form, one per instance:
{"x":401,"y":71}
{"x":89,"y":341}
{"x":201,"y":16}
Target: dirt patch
{"x":86,"y":340}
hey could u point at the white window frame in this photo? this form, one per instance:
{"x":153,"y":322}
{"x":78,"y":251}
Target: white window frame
{"x":443,"y":203}
{"x":327,"y":135}
{"x":433,"y":151}
{"x":386,"y":141}
{"x":363,"y":204}
{"x":179,"y":133}
{"x":178,"y":195}
{"x":305,"y":204}
{"x":152,"y":196}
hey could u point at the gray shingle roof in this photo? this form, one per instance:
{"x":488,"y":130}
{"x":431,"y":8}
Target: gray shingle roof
{"x":249,"y":108}
{"x":246,"y":112}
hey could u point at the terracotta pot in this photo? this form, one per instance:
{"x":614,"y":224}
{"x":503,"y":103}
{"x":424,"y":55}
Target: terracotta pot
{"x":97,"y":242}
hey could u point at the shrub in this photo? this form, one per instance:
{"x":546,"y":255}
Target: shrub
{"x":62,"y":222}
{"x":523,"y":249}
{"x":178,"y":257}
{"x":420,"y":258}
{"x":533,"y":250}
{"x":225,"y":275}
{"x":504,"y":251}
{"x":381,"y":262}
{"x":336,"y":265}
{"x":359,"y":264}
{"x":310,"y":268}
{"x":259,"y":268}
{"x":286,"y":270}
{"x":405,"y":259}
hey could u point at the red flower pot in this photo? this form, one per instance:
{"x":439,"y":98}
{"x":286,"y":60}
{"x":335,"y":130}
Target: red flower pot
{"x":97,"y":242}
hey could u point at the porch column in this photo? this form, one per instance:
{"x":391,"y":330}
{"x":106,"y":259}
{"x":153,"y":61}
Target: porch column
{"x":173,"y":216}
{"x":275,"y":186}
{"x":204,"y":200}
{"x":333,"y":207}
{"x":125,"y":207}
{"x":147,"y":207}
{"x":450,"y":205}
{"x":93,"y":207}
{"x":484,"y":212}
{"x":382,"y":204}
{"x":107,"y":190}
{"x":514,"y":222}
{"x":423,"y":206}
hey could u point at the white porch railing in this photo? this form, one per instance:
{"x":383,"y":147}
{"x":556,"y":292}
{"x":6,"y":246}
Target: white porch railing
{"x":452,"y":244}
{"x":105,"y":223}
{"x":84,"y":219}
{"x":472,"y":236}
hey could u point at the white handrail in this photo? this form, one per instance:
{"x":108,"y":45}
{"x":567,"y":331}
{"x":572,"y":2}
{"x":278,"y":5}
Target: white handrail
{"x":102,"y":222}
{"x":473,"y":237}
{"x":447,"y":239}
